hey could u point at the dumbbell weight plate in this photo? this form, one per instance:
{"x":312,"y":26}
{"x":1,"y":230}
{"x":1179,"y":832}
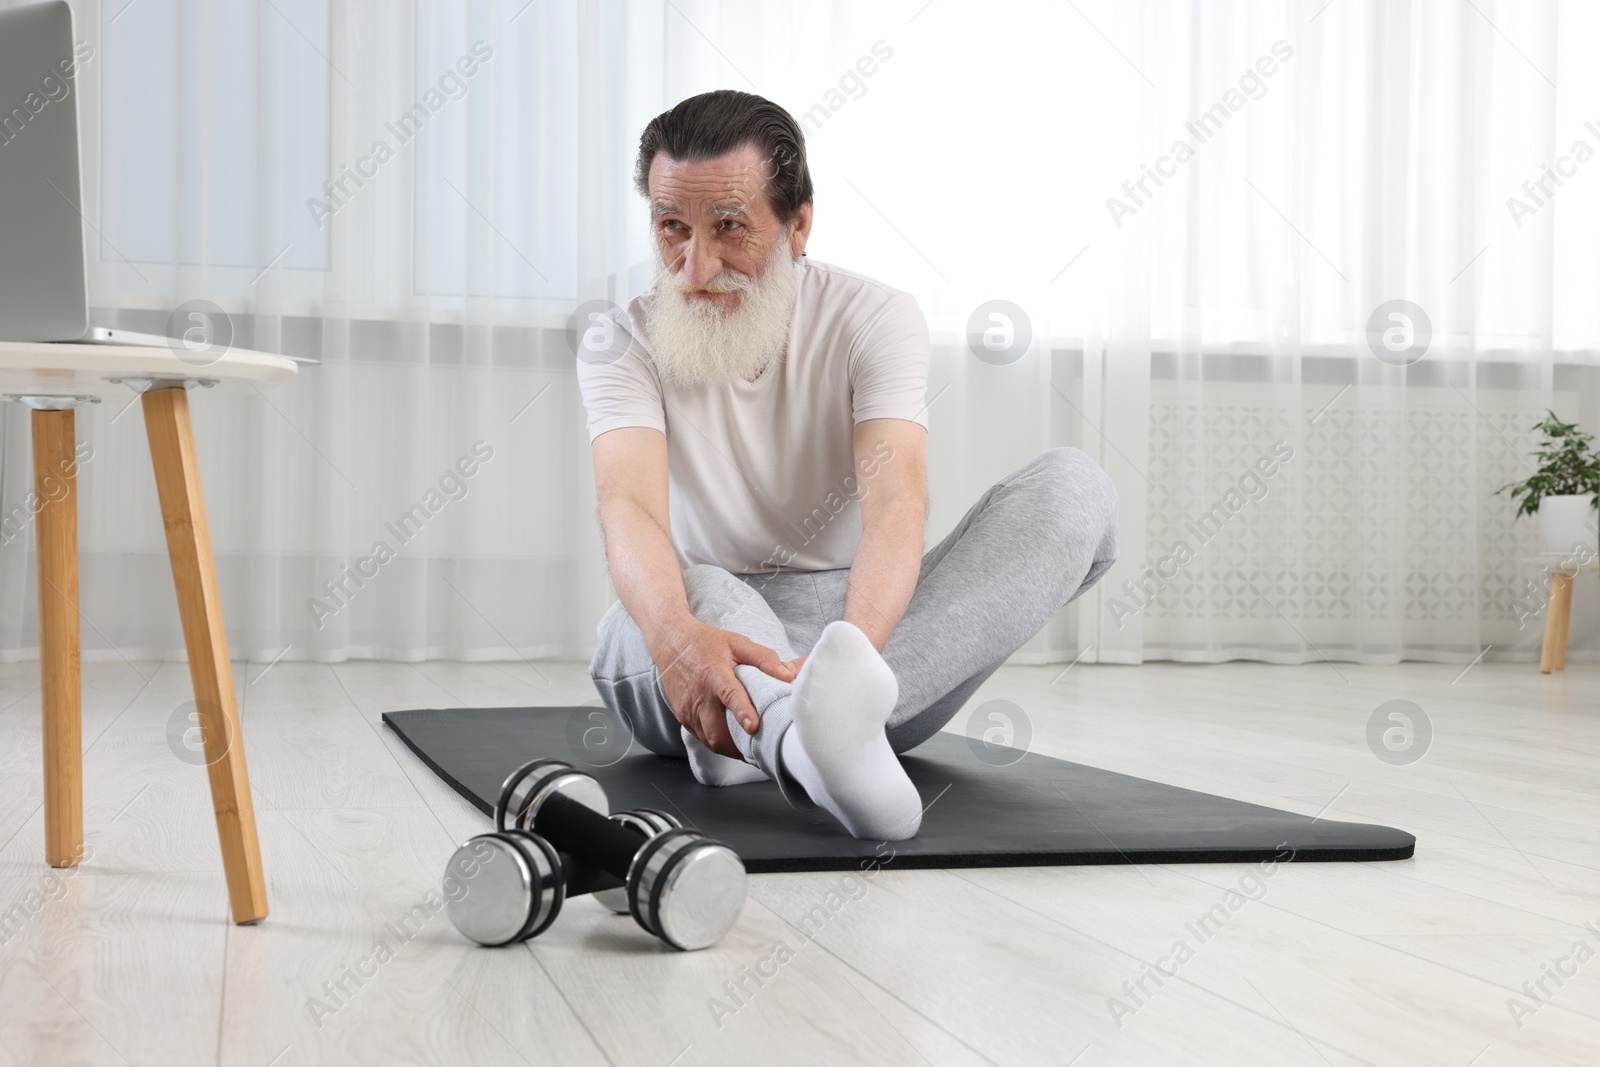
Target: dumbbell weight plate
{"x":527,"y":787}
{"x":649,"y":822}
{"x":660,"y":819}
{"x":686,"y":889}
{"x":552,"y":881}
{"x":513,"y":895}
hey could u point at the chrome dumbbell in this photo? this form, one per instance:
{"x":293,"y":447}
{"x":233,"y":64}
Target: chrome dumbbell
{"x":678,"y":884}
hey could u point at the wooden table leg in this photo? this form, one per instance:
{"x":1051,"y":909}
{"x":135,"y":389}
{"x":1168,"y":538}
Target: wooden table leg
{"x":1553,"y":653}
{"x":1565,"y":618}
{"x":166,"y":417}
{"x":55,"y":486}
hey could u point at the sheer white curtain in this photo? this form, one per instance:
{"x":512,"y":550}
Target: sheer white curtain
{"x":420,"y":196}
{"x":1377,"y":164}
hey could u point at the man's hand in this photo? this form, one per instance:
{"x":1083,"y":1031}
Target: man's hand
{"x":699,"y":682}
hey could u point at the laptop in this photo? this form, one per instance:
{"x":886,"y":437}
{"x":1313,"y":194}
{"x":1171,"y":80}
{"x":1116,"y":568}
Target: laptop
{"x":44,"y":284}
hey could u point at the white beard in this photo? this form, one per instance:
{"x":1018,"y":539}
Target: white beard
{"x":695,"y":342}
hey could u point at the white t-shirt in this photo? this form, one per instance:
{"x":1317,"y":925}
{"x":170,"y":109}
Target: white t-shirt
{"x":762,"y":475}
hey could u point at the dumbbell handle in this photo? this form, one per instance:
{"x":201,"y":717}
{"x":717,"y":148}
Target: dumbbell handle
{"x":577,"y":828}
{"x":584,"y":877}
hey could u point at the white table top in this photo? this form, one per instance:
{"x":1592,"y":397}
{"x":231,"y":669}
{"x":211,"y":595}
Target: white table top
{"x":1569,"y":563}
{"x":77,"y":369}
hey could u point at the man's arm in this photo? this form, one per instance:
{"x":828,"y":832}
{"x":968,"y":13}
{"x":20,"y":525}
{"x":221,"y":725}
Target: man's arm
{"x":696,"y":660}
{"x":630,"y":480}
{"x":892,"y":472}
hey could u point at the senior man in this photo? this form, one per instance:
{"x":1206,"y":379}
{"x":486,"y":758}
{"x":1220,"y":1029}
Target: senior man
{"x":759,"y":431}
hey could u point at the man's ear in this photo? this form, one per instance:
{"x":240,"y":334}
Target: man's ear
{"x":800,"y":230}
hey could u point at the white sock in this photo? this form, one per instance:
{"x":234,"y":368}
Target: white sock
{"x":712,"y":769}
{"x":837,"y":748}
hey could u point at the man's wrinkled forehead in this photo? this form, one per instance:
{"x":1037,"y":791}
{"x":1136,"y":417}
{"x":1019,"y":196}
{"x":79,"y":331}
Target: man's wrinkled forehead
{"x":722,"y":209}
{"x":730,"y":186}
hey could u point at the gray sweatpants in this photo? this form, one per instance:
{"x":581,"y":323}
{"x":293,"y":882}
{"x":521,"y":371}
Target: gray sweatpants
{"x":1033,"y":542}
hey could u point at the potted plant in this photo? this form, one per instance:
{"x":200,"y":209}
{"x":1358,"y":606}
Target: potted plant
{"x":1562,"y":492}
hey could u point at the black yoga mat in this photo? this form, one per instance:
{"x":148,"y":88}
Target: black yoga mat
{"x":988,"y":806}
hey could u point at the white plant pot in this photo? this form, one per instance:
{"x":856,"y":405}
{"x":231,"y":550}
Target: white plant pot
{"x":1567,"y":524}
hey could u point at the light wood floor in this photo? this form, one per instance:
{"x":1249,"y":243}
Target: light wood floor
{"x":131,"y":959}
